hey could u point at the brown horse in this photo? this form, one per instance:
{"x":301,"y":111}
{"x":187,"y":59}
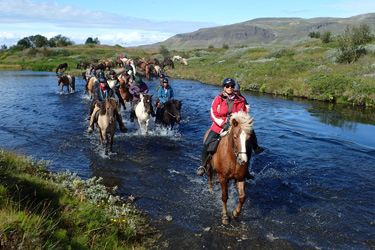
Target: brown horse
{"x":124,"y":90}
{"x":90,"y":85}
{"x":231,"y":160}
{"x":107,"y":122}
{"x":66,"y":80}
{"x":62,"y":67}
{"x":167,"y":62}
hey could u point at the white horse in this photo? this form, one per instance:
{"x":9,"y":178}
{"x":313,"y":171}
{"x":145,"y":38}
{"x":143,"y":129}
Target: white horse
{"x":143,"y":110}
{"x":176,"y":58}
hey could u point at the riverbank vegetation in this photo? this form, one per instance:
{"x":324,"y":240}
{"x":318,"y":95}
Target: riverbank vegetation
{"x":330,"y":68}
{"x":44,"y":210}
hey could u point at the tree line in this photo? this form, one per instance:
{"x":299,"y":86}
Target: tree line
{"x":39,"y":41}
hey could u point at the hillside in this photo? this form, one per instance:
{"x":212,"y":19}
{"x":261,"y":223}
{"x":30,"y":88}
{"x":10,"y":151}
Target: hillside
{"x":264,"y":31}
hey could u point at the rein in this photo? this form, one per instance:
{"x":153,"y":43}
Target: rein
{"x":174,"y":116}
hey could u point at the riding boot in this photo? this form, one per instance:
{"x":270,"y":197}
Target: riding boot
{"x":121,"y":123}
{"x":210,"y":137}
{"x":249,"y":176}
{"x":254,"y":143}
{"x":86,"y":88}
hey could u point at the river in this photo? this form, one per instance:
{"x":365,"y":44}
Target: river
{"x":314,"y":184}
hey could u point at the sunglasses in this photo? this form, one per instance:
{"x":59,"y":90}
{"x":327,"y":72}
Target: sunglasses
{"x":229,"y":86}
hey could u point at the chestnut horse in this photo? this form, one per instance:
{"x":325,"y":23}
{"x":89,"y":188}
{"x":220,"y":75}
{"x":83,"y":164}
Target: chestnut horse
{"x":231,"y":160}
{"x":107,"y":122}
{"x":124,"y":90}
{"x":90,"y":85}
{"x":66,"y":80}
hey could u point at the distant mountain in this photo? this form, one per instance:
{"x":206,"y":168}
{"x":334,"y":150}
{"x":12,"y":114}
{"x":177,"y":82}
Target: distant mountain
{"x":262,"y":31}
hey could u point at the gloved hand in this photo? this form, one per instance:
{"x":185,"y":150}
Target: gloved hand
{"x":226,"y":125}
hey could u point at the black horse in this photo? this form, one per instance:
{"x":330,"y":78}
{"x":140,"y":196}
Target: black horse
{"x":167,"y":62}
{"x":169,"y":113}
{"x":62,"y":67}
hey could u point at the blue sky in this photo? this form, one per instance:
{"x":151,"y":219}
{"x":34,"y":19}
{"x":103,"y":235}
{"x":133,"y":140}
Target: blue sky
{"x":138,"y":22}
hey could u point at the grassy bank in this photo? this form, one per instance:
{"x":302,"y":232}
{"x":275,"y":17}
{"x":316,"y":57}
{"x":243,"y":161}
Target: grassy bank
{"x":44,"y":210}
{"x":305,"y":69}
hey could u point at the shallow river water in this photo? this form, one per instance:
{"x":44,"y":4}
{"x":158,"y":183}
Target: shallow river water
{"x":314,"y":185}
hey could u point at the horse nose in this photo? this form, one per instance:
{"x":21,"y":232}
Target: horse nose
{"x":242,"y":159}
{"x":178,"y":118}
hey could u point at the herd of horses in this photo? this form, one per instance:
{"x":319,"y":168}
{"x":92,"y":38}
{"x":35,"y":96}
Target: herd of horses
{"x":232,"y":156}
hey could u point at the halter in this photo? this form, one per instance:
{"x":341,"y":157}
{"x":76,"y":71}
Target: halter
{"x":174,"y":116}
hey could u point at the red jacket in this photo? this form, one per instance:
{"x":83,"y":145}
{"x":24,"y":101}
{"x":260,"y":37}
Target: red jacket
{"x":219,"y":110}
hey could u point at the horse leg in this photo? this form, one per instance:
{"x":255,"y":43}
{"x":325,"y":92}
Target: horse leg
{"x":140,"y":125}
{"x":147,"y":123}
{"x":224,"y":198}
{"x":242,"y":198}
{"x":111,"y":141}
{"x":105,"y":142}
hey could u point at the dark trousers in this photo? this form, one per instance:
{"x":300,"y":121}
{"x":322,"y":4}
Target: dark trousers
{"x":212,"y":135}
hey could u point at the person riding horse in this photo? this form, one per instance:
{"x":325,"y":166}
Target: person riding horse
{"x":165,"y":92}
{"x":138,"y":87}
{"x":226,"y":103}
{"x":112,"y":75}
{"x":100,"y":94}
{"x":90,"y":72}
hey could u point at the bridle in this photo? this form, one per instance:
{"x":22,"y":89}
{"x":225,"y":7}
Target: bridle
{"x":235,"y":150}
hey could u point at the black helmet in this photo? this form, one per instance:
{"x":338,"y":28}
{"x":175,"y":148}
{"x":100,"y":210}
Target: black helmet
{"x":112,"y":72}
{"x":100,"y":74}
{"x":102,"y":79}
{"x":228,"y":81}
{"x":162,"y":75}
{"x":237,"y":87}
{"x":165,"y":80}
{"x":91,"y":65}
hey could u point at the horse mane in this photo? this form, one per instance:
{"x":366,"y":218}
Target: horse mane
{"x":243,"y":119}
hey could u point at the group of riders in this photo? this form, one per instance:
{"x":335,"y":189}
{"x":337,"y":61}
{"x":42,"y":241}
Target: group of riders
{"x":136,"y":85}
{"x":227,"y":102}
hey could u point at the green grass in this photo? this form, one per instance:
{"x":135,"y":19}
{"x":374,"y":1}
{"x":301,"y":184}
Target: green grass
{"x":44,"y":210}
{"x":307,"y":69}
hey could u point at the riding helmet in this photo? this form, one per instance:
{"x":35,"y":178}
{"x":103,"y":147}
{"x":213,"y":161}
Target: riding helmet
{"x":162,"y":75}
{"x":91,"y":65}
{"x":228,"y":81}
{"x":102,"y":79}
{"x":237,"y":87}
{"x":112,"y":72}
{"x":100,"y":74}
{"x":165,"y":80}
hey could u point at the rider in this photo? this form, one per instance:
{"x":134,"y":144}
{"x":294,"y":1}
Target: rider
{"x":136,"y":88}
{"x":90,"y":72}
{"x":226,"y":103}
{"x":100,"y":94}
{"x":112,"y":75}
{"x":253,"y":138}
{"x":162,"y":76}
{"x":166,"y":92}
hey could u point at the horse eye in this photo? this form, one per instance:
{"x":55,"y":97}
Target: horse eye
{"x":235,"y":137}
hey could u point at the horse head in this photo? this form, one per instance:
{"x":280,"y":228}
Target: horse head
{"x":108,"y":108}
{"x":147,"y":102}
{"x":173,"y":107}
{"x":241,"y":126}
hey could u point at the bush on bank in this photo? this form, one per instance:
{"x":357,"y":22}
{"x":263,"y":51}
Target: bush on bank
{"x":44,"y":210}
{"x":306,"y":69}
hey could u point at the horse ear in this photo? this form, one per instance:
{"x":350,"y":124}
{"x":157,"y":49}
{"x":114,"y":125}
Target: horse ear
{"x":251,"y":120}
{"x":234,"y":123}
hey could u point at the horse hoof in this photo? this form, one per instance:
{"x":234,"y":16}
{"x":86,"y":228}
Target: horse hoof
{"x":234,"y":216}
{"x":225,"y":220}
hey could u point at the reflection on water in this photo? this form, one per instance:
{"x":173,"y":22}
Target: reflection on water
{"x":314,"y":185}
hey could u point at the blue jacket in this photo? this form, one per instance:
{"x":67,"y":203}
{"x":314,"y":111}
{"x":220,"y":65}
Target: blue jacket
{"x":164,"y":96}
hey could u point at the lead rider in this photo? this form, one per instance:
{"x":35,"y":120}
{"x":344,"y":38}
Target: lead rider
{"x":226,"y":103}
